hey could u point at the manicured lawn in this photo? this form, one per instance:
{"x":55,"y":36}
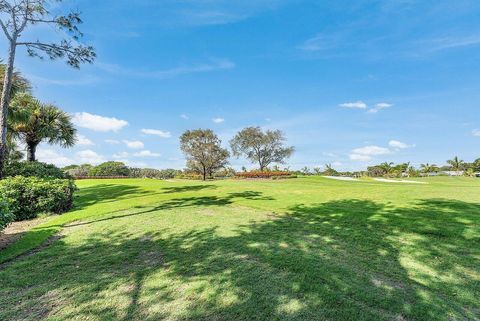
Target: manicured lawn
{"x":300,"y":249}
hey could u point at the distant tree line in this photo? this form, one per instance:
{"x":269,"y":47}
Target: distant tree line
{"x":119,"y":169}
{"x":454,"y":166}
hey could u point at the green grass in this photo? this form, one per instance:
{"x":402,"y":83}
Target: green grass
{"x":300,"y":249}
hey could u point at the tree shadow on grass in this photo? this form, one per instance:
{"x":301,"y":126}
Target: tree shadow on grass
{"x":187,"y":188}
{"x":339,"y":260}
{"x":182,"y":202}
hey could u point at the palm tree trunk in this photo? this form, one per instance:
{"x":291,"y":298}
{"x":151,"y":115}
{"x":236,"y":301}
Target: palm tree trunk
{"x":31,"y":150}
{"x":4,"y":104}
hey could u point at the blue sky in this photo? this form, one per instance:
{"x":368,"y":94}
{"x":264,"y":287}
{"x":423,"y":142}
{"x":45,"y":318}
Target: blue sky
{"x":351,"y":83}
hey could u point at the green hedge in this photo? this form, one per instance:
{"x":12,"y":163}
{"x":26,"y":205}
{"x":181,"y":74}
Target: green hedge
{"x":6,"y":215}
{"x":36,"y":169}
{"x":29,"y":196}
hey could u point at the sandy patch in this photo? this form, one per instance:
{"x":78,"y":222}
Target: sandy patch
{"x":340,"y":178}
{"x":385,"y":180}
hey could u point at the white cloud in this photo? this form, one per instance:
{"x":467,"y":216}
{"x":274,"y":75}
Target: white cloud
{"x":371,"y":150}
{"x":146,"y":153}
{"x":356,"y":105}
{"x":218,"y":120}
{"x":358,"y":157}
{"x":476,"y":132}
{"x":184,"y":116}
{"x":98,"y":123}
{"x":89,"y":156}
{"x":52,"y":157}
{"x":398,"y":145}
{"x":82,"y":140}
{"x":134,"y":144}
{"x":379,"y":107}
{"x":157,"y":132}
{"x":112,"y":141}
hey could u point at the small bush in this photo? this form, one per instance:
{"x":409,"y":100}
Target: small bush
{"x":36,"y":169}
{"x":29,"y":196}
{"x":6,"y":215}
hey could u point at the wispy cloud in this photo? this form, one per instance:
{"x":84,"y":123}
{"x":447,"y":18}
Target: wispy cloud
{"x":156,"y":132}
{"x":378,"y":107}
{"x":355,"y":105}
{"x":476,"y":132}
{"x":451,"y":42}
{"x":213,"y":65}
{"x":184,"y":116}
{"x":218,"y":120}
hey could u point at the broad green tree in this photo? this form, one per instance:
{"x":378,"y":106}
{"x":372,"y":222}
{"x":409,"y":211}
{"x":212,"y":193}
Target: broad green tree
{"x":32,"y":122}
{"x":16,"y":18}
{"x":203,"y":151}
{"x":262,"y":147}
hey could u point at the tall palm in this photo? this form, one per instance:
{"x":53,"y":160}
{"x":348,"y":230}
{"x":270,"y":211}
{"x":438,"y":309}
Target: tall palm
{"x":33,"y":122}
{"x":456,"y":163}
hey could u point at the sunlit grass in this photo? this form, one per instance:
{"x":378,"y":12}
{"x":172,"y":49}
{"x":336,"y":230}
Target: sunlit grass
{"x":302,"y":249}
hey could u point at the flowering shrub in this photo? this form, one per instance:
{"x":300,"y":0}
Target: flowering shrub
{"x":262,"y":174}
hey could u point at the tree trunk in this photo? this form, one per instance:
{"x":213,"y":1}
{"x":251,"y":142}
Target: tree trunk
{"x":4,"y":104}
{"x":204,"y":173}
{"x":31,"y":150}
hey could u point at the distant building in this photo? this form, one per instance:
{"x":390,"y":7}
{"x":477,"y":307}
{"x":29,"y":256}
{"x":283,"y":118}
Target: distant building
{"x":453,"y":173}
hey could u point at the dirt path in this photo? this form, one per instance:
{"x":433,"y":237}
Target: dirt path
{"x":15,"y":231}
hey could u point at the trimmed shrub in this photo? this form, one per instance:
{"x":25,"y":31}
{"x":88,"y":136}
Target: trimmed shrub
{"x":6,"y":216}
{"x":36,"y":169}
{"x":29,"y":196}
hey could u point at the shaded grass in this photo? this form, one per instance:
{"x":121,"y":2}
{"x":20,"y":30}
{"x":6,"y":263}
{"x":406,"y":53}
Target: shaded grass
{"x":333,"y":251}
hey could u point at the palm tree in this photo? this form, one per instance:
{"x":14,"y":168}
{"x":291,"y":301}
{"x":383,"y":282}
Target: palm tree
{"x":428,"y":168}
{"x":33,"y":122}
{"x":386,"y":167}
{"x":456,"y":163}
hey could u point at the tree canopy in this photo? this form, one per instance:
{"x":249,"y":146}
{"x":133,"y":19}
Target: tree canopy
{"x":261,"y":147}
{"x":203,"y":151}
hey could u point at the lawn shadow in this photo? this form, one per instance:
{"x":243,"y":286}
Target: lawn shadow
{"x":340,"y":260}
